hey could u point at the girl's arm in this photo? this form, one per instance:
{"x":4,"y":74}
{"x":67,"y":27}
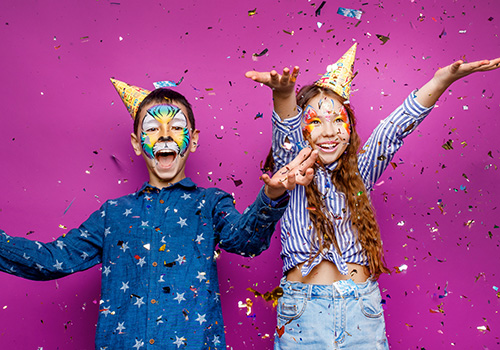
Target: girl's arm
{"x":283,"y":87}
{"x":444,"y":77}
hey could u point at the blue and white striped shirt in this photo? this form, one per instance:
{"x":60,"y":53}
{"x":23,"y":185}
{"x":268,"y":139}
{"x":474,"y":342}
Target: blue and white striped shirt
{"x":298,"y":235}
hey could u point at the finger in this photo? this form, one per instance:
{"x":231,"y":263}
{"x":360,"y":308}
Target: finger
{"x":267,"y":180}
{"x":303,"y":154}
{"x":295,"y":73}
{"x":285,"y":78}
{"x":307,"y":178}
{"x":275,"y":77}
{"x":291,"y":180}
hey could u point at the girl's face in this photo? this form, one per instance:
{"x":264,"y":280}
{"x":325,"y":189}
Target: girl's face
{"x":326,"y":121}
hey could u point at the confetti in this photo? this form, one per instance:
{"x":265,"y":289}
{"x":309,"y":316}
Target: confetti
{"x":318,"y":10}
{"x":349,"y":13}
{"x":382,"y":38}
{"x":262,"y":53}
{"x":252,"y":12}
{"x":448,"y":145}
{"x":273,"y":295}
{"x":258,"y":115}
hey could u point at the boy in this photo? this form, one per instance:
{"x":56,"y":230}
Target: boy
{"x":159,"y":278}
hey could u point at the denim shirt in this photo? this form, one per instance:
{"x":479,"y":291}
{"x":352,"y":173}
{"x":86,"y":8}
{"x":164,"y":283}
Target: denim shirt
{"x":159,"y":275}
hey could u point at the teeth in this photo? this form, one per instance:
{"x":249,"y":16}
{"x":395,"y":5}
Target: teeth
{"x":328,"y":145}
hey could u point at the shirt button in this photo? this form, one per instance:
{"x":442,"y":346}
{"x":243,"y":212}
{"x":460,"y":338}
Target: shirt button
{"x":151,"y":341}
{"x":153,"y":301}
{"x":162,"y":201}
{"x":155,"y":264}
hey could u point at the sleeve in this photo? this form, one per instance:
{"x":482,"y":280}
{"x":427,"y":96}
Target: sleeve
{"x":287,"y":138}
{"x":77,"y":250}
{"x":249,"y":233}
{"x":388,"y":137}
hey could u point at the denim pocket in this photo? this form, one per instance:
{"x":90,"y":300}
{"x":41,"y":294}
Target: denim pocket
{"x":291,"y":306}
{"x":371,"y":304}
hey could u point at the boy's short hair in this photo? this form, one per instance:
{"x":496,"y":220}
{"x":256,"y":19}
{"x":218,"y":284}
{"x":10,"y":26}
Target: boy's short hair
{"x":164,"y":96}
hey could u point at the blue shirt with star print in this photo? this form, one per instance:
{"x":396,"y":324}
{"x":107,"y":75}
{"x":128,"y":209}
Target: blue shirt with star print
{"x":159,"y":277}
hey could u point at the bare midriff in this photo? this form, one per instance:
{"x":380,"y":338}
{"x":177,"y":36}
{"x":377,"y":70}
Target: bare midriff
{"x":326,"y":273}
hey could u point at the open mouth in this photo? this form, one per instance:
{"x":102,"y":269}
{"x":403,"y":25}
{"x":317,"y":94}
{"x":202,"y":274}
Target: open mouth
{"x":328,"y":146}
{"x":165,"y":158}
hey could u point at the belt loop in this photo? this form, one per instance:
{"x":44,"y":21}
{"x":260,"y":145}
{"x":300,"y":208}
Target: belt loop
{"x":309,"y":291}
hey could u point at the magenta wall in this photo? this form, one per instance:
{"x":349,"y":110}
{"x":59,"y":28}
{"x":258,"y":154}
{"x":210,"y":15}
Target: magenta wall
{"x":63,"y":123}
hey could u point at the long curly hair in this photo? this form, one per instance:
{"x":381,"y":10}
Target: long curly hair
{"x":346,"y":178}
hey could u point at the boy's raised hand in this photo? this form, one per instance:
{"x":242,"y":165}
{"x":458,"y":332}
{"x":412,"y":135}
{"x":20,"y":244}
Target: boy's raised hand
{"x":298,"y":172}
{"x":444,"y":77}
{"x":283,"y":86}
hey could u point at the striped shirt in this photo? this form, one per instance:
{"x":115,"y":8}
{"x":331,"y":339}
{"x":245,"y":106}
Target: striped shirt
{"x":298,"y":235}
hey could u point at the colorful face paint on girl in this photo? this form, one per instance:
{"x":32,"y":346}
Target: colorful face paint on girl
{"x":164,"y":128}
{"x":314,"y":119}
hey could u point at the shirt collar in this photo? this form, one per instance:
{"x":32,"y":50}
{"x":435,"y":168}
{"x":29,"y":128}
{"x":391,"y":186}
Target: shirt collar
{"x":147,"y":188}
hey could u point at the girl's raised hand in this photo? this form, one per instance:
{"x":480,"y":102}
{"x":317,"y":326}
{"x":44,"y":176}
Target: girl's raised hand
{"x":459,"y":69}
{"x":281,"y":84}
{"x":298,"y":172}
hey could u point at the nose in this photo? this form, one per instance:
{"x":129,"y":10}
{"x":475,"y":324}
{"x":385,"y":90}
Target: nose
{"x":328,"y":129}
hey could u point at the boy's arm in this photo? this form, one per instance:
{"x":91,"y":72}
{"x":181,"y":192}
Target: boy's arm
{"x":250,"y":233}
{"x":77,"y":250}
{"x":283,"y":87}
{"x":428,"y":95}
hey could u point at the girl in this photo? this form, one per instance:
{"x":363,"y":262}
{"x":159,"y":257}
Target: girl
{"x":331,"y":245}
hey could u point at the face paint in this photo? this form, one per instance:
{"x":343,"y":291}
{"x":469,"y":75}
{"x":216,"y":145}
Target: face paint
{"x":164,"y":131}
{"x":310,"y":119}
{"x":313,"y":119}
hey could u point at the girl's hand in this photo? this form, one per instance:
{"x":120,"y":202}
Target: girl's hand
{"x":298,"y":172}
{"x":459,"y":69}
{"x":282,"y":85}
{"x":428,"y":95}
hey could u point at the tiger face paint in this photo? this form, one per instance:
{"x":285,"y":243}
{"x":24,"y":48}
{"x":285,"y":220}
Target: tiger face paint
{"x":327,"y":123}
{"x":165,"y":133}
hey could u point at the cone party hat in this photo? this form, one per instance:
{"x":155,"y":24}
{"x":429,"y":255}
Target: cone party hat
{"x":338,"y":76}
{"x":131,"y":95}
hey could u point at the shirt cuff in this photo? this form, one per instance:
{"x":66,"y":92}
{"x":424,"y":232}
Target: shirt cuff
{"x":279,"y":202}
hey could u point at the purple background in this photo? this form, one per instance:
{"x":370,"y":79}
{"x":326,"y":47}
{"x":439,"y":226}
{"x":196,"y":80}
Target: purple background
{"x":62,"y":123}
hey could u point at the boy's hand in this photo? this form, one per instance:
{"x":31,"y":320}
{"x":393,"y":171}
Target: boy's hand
{"x":283,"y":87}
{"x":428,"y":94}
{"x":298,"y":172}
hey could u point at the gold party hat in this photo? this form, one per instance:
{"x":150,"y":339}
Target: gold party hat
{"x":131,"y":95}
{"x":338,"y":76}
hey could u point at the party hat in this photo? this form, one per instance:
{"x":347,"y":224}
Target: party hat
{"x":131,"y":95}
{"x":338,"y":76}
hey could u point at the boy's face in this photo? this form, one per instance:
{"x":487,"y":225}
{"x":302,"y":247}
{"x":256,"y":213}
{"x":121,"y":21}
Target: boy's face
{"x":164,"y":139}
{"x":326,"y":121}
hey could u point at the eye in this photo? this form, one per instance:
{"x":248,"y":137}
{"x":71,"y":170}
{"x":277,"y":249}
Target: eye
{"x":339,"y":120}
{"x":151,"y":129}
{"x":177,"y":128}
{"x":315,"y":122}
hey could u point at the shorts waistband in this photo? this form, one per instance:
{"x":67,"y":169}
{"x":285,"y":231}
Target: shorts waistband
{"x":339,"y":289}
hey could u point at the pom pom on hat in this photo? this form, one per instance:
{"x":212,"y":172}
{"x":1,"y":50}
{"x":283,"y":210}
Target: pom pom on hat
{"x":338,"y":76}
{"x":131,"y":95}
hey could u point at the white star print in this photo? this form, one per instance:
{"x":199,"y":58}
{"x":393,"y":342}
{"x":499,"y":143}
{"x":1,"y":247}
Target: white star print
{"x":138,"y":344}
{"x":139,"y":302}
{"x":180,"y":259}
{"x":120,"y":327}
{"x":125,"y":286}
{"x":107,"y":231}
{"x":199,"y":238}
{"x":84,"y":255}
{"x":146,"y":197}
{"x":201,"y":276}
{"x":144,"y":223}
{"x":58,"y":265}
{"x":161,"y":278}
{"x":201,"y":318}
{"x":182,"y":222}
{"x":107,"y":270}
{"x":84,"y":233}
{"x":216,"y":340}
{"x":103,"y":214}
{"x":141,"y":262}
{"x":159,"y":319}
{"x":180,"y":297}
{"x":186,"y":196}
{"x":128,"y":212}
{"x":39,"y":267}
{"x":124,"y":246}
{"x":201,"y":204}
{"x":113,"y":202}
{"x":106,"y":311}
{"x":26,"y":256}
{"x":167,"y":209}
{"x":39,"y":245}
{"x":179,"y":341}
{"x":60,"y":244}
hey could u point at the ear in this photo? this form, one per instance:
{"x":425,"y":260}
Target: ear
{"x":135,"y":144}
{"x":195,"y":135}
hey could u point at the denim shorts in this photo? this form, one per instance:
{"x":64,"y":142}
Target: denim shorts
{"x":344,"y":315}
